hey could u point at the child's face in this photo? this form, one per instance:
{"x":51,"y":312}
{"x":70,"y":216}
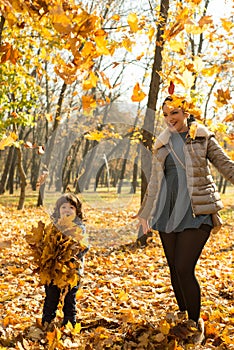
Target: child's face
{"x":67,"y":209}
{"x":176,"y":118}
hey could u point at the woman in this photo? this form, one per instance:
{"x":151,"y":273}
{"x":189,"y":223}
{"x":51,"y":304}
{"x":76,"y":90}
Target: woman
{"x":182,"y":200}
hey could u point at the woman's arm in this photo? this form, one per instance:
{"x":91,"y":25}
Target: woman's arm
{"x":220,"y":159}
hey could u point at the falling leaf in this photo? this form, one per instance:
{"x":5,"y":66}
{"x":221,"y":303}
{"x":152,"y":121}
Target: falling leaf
{"x":187,"y":79}
{"x":229,"y":118}
{"x":88,"y":102}
{"x":205,"y":20}
{"x":138,"y":94}
{"x":193,"y":130}
{"x":133,"y":22}
{"x":151,"y":33}
{"x":115,"y":17}
{"x":91,"y":82}
{"x":177,"y":46}
{"x":227,"y":25}
{"x":223,"y":96}
{"x":171,"y":88}
{"x":8,"y":141}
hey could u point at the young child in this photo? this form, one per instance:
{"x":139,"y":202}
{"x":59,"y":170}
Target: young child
{"x":67,"y":218}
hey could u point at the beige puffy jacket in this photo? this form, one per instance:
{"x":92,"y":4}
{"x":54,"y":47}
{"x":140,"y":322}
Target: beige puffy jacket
{"x":205,"y":198}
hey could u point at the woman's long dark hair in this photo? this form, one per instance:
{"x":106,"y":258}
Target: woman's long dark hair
{"x":67,"y":198}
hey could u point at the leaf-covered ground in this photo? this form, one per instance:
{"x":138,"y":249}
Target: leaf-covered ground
{"x":126,"y":301}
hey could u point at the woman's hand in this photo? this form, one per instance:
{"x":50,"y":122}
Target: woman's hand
{"x":144,"y":223}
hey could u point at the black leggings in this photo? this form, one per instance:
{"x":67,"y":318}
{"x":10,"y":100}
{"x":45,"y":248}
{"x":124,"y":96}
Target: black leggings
{"x":182,"y":250}
{"x":52,"y":300}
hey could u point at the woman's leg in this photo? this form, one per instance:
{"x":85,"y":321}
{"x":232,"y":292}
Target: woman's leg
{"x":169,"y":241}
{"x":50,"y":303}
{"x":189,"y":245}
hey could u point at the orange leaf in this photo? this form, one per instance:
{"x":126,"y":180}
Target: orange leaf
{"x":229,"y":118}
{"x":138,"y":94}
{"x":105,"y":80}
{"x":223,"y":96}
{"x":205,"y":20}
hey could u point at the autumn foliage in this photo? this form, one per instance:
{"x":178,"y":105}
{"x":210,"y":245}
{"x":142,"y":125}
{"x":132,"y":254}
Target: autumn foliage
{"x":125,"y":301}
{"x":55,"y":248}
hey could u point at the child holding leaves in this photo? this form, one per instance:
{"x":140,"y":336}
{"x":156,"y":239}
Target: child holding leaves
{"x":59,"y":250}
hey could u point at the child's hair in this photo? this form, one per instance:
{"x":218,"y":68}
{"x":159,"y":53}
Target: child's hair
{"x":170,"y":99}
{"x":68,"y":198}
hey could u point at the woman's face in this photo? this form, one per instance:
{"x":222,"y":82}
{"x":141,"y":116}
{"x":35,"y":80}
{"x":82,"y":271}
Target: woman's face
{"x":176,"y":118}
{"x":67,"y":209}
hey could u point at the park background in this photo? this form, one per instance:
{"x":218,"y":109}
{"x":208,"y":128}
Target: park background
{"x":81,"y":89}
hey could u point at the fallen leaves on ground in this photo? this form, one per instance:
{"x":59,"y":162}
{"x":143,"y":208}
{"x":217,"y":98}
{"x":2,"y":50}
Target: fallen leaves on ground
{"x":125,"y":301}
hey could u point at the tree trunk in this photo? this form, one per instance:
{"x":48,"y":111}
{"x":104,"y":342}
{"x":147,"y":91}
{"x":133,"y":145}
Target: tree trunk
{"x":69,"y":164}
{"x":148,"y":127}
{"x":122,"y":172}
{"x":10,"y":181}
{"x":51,"y":142}
{"x":22,"y":180}
{"x":135,"y":171}
{"x":6,"y":169}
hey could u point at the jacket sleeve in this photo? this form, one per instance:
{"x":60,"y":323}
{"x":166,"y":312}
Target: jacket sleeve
{"x":151,"y":192}
{"x":220,"y":159}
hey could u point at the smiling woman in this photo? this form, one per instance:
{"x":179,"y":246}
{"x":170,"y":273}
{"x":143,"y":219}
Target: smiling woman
{"x":181,"y":201}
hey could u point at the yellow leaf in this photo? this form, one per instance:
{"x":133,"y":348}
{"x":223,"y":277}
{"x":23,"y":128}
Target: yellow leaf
{"x":101,"y":43}
{"x":76,"y":329}
{"x":95,"y":135}
{"x":198,"y":64}
{"x":133,"y":22}
{"x":115,"y":17}
{"x":53,"y":338}
{"x":91,"y":82}
{"x":164,"y":327}
{"x":123,"y":296}
{"x":151,"y":33}
{"x":61,"y":21}
{"x":208,"y":72}
{"x":193,"y":130}
{"x":127,"y":44}
{"x":227,"y":25}
{"x":138,"y":94}
{"x":177,"y":46}
{"x":8,"y":140}
{"x":187,"y":78}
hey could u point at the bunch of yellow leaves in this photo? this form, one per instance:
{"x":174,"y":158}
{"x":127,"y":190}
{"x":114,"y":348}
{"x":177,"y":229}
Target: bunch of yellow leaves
{"x":55,"y":249}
